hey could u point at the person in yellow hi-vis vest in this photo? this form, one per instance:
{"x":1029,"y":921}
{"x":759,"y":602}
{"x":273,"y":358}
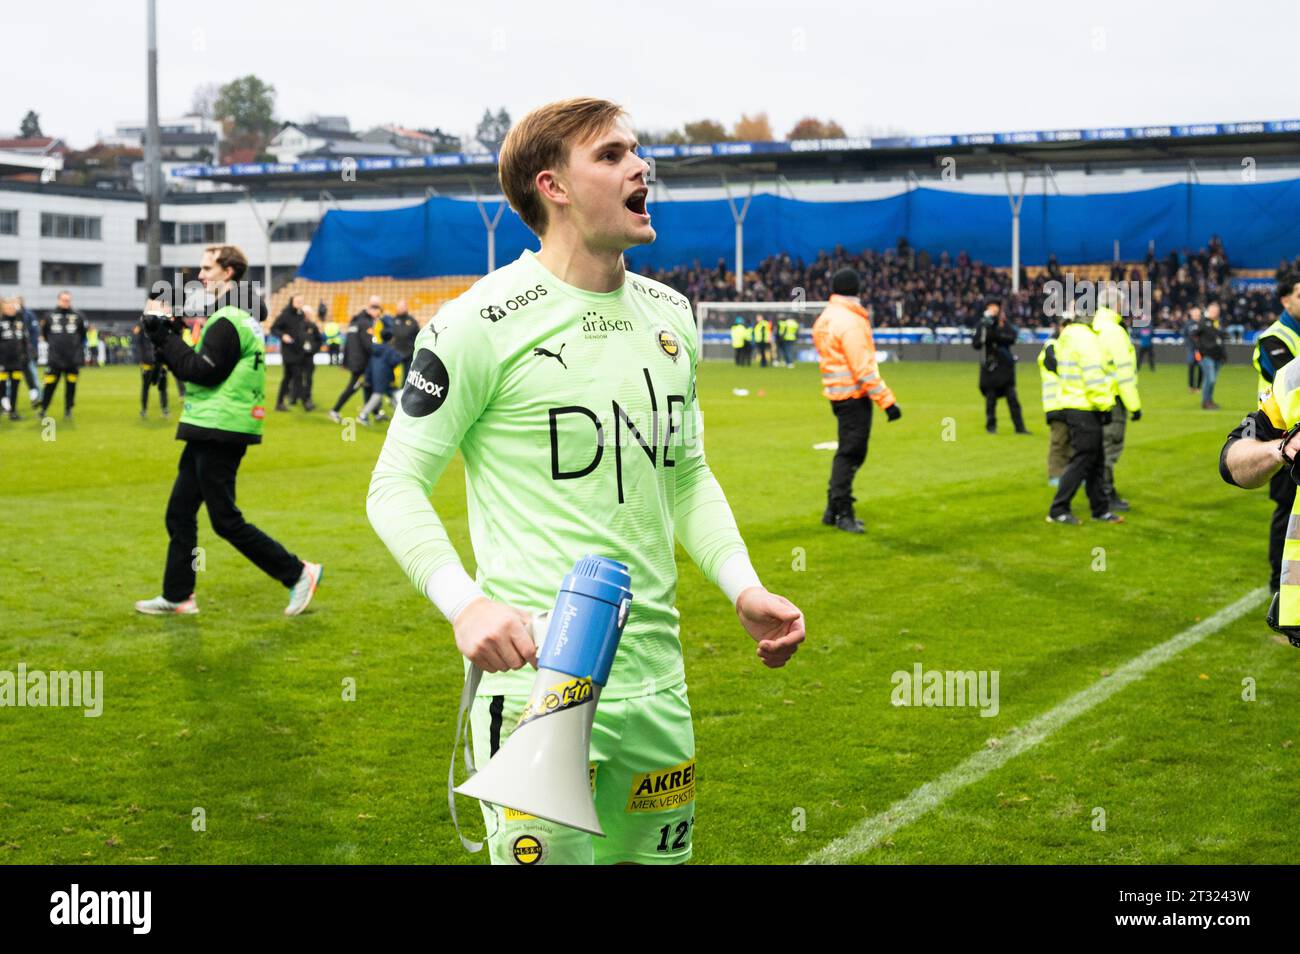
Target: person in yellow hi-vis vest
{"x":1264,"y":443}
{"x":1086,"y":398}
{"x":1058,"y":451}
{"x":762,"y":339}
{"x":738,"y":334}
{"x":787,"y":331}
{"x":1275,"y":348}
{"x":1119,"y":361}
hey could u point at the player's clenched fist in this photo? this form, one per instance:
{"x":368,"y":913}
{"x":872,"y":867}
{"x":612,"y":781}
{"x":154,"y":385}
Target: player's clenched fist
{"x":774,"y":622}
{"x":495,"y":637}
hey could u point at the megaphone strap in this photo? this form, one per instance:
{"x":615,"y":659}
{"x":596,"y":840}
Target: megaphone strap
{"x":472,"y":677}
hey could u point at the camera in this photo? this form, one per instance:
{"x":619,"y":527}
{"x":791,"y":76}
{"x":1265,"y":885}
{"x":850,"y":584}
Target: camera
{"x":158,"y":326}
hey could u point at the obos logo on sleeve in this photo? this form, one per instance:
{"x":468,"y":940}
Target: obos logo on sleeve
{"x":426,"y":385}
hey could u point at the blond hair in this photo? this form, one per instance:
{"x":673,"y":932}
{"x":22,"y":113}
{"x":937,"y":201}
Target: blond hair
{"x":542,"y":140}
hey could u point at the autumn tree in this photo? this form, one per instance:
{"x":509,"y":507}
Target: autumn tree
{"x":812,"y":128}
{"x":705,"y":131}
{"x":754,"y":128}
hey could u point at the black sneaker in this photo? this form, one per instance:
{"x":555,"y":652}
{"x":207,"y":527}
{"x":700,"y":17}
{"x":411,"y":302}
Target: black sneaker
{"x":828,"y":518}
{"x":1119,"y":506}
{"x":1025,"y":431}
{"x":1109,"y":517}
{"x":1069,"y":518}
{"x":281,"y":407}
{"x":849,"y":524}
{"x":1292,"y":633}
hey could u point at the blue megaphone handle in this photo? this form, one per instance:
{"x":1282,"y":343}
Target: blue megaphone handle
{"x":588,"y":619}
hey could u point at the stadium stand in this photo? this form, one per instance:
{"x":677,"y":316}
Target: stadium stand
{"x":909,"y":288}
{"x":424,"y":296}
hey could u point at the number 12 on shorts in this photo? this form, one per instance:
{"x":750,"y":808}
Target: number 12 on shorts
{"x":682,"y":829}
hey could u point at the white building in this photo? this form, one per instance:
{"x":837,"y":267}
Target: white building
{"x":91,"y":242}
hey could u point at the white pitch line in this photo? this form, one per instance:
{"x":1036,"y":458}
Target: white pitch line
{"x":871,"y":831}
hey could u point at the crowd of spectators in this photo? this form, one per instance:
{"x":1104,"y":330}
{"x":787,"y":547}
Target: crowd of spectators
{"x":909,"y":287}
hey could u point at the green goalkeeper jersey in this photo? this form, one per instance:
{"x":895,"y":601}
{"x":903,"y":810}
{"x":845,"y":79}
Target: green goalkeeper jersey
{"x":576,"y":416}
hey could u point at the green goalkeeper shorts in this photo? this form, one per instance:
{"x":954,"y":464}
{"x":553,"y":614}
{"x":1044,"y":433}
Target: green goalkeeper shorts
{"x":642,"y":776}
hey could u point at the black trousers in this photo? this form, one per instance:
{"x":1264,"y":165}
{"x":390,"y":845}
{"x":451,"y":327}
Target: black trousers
{"x":306,"y":372}
{"x":52,"y":376}
{"x":291,"y":383}
{"x":853,"y":423}
{"x":1194,"y":373}
{"x":1013,"y":405}
{"x":206,"y":476}
{"x":1149,"y":354}
{"x":146,"y":377}
{"x":1281,"y":490}
{"x":358,"y":379}
{"x":1087,"y":464}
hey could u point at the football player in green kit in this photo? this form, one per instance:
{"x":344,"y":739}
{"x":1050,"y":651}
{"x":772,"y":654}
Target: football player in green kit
{"x":568,"y":385}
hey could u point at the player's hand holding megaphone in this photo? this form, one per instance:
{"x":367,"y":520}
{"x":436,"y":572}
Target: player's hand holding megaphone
{"x":495,"y":637}
{"x":541,"y":768}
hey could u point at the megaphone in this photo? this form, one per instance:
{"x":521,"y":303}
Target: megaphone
{"x":541,"y":769}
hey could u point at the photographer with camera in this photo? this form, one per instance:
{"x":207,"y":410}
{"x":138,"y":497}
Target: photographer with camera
{"x":224,"y":409}
{"x":995,"y":335}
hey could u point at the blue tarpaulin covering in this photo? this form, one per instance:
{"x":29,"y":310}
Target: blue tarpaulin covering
{"x":1258,"y":222}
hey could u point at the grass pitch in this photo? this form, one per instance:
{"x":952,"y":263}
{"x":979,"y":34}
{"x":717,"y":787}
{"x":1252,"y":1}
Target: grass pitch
{"x":240,"y":712}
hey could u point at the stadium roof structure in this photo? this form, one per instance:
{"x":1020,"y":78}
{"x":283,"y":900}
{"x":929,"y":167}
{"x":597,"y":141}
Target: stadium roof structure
{"x":892,"y":157}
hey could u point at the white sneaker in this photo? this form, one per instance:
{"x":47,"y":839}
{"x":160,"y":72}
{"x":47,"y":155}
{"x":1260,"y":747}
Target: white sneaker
{"x":334,"y":416}
{"x":363,"y":419}
{"x":158,"y":606}
{"x":304,"y":589}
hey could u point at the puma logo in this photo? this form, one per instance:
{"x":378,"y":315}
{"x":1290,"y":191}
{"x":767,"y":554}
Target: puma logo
{"x":436,"y":331}
{"x":543,"y":353}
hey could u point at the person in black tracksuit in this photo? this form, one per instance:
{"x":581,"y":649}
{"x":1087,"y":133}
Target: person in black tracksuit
{"x":995,"y":336}
{"x":356,"y":354}
{"x":14,"y":354}
{"x":290,"y":327}
{"x":312,"y":343}
{"x":147,"y":356}
{"x":64,"y":332}
{"x":404,"y":328}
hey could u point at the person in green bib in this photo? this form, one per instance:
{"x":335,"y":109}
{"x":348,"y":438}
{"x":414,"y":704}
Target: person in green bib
{"x":224,"y":409}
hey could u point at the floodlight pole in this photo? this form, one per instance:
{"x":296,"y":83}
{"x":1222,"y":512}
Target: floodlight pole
{"x":739,"y":218}
{"x":490,"y":225}
{"x":1016,"y":202}
{"x":152,"y":159}
{"x":267,"y":229}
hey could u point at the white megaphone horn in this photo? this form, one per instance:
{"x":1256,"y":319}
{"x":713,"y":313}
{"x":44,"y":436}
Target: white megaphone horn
{"x":541,"y":768}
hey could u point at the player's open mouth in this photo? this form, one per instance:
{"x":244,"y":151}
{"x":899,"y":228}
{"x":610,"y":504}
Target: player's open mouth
{"x":636,"y":203}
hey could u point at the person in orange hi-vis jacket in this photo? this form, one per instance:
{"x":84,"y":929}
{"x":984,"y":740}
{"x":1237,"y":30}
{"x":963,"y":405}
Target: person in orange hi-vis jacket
{"x":851,"y":380}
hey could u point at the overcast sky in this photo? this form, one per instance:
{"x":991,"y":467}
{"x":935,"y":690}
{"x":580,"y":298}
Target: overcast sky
{"x":916,"y":66}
